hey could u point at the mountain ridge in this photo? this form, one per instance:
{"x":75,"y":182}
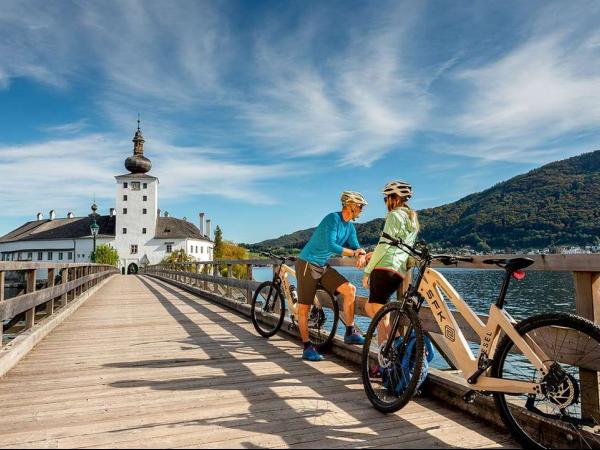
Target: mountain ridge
{"x":555,"y":204}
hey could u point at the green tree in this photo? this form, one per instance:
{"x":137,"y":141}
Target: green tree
{"x":233,"y":251}
{"x":105,"y":254}
{"x":218,"y":249}
{"x":178,"y":256}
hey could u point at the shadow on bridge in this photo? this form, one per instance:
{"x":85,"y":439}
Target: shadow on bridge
{"x":302,"y":407}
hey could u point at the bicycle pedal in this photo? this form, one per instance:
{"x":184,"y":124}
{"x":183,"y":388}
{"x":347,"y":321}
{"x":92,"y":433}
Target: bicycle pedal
{"x":470,"y":397}
{"x":292,"y":326}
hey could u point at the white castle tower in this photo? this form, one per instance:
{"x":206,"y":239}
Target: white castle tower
{"x":136,"y":205}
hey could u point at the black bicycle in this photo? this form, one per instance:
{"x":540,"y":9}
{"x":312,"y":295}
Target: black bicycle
{"x":269,"y":306}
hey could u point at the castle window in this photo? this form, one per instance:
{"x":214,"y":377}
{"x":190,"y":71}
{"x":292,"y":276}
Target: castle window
{"x":125,"y":185}
{"x":124,"y":210}
{"x":30,"y":256}
{"x":145,"y":198}
{"x":40,"y":256}
{"x":134,"y":249}
{"x":124,"y":230}
{"x":143,"y":231}
{"x":135,"y":186}
{"x":145,"y":185}
{"x":124,"y":198}
{"x":50,"y":255}
{"x":70,"y":256}
{"x":144,"y":211}
{"x":169,"y":248}
{"x":60,"y":256}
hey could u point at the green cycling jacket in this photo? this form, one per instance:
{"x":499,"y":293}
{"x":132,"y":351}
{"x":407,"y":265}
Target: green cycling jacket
{"x":399,"y":225}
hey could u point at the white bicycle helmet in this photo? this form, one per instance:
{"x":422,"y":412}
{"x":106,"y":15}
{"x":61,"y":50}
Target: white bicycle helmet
{"x":399,"y":188}
{"x":353,"y":197}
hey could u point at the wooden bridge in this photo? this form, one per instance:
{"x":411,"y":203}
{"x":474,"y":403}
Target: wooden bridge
{"x":171,"y":360}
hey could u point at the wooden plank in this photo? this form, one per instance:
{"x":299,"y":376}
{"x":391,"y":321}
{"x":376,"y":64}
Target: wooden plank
{"x":587,"y":301}
{"x":30,"y":278}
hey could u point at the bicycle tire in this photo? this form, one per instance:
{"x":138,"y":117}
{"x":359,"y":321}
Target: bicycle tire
{"x":510,"y":414}
{"x":396,"y":402}
{"x":329,"y":331}
{"x":277,"y":318}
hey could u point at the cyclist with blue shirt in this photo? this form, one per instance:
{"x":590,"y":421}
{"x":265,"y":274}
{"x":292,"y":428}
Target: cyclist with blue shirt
{"x":335,"y":235}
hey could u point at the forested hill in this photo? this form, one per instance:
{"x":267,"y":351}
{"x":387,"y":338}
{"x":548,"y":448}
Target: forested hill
{"x":557,"y":204}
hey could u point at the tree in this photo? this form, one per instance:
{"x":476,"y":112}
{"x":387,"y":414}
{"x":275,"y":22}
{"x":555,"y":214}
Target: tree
{"x":105,"y":254}
{"x":233,"y":251}
{"x":178,"y":256}
{"x":218,"y":249}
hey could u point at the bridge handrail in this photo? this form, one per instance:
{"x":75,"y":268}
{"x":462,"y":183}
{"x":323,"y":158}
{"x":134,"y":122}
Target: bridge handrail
{"x":75,"y":279}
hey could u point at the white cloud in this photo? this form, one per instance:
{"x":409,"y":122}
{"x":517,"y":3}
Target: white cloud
{"x":522,"y":104}
{"x":66,"y":174}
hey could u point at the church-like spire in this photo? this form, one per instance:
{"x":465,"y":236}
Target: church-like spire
{"x":138,"y":140}
{"x":138,"y":163}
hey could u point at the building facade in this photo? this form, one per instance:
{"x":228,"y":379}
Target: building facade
{"x":135,"y":227}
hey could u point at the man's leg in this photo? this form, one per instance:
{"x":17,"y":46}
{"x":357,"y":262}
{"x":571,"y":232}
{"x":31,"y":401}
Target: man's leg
{"x":303,"y":311}
{"x":348,"y":293}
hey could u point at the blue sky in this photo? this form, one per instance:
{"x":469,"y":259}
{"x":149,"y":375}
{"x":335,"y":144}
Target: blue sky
{"x":261,"y":112}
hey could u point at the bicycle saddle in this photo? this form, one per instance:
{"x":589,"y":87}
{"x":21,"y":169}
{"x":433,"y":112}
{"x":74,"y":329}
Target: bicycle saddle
{"x":510,"y":264}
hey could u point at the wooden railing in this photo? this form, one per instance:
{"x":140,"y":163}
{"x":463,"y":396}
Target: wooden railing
{"x":585,"y":268}
{"x":65,"y":283}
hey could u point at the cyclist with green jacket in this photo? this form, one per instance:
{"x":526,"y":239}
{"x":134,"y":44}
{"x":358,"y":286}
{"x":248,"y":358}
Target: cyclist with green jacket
{"x":387,"y":265}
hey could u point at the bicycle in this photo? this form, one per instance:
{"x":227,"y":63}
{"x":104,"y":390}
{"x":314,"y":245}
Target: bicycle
{"x":531,"y":368}
{"x":269,"y":306}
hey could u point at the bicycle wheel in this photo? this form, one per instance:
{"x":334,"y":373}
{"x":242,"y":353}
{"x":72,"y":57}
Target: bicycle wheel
{"x":554,"y":417}
{"x":322,"y":321}
{"x":267,"y":309}
{"x":391,"y":381}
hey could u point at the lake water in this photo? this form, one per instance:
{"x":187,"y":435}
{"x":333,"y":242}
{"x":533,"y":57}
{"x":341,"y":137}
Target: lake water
{"x":538,"y":293}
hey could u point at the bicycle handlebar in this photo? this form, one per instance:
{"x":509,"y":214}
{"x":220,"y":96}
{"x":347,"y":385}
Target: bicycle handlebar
{"x":423,"y":251}
{"x":283,"y":259}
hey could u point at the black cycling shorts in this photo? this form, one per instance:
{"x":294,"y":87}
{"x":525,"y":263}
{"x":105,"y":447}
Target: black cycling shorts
{"x":382,"y":284}
{"x":310,"y":276}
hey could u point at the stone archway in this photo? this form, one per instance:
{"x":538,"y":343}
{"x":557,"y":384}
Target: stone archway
{"x":132,"y":269}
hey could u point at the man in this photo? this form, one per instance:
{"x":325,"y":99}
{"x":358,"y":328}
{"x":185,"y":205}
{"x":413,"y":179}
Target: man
{"x":335,"y":235}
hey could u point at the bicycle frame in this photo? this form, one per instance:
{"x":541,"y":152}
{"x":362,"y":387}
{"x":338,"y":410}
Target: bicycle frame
{"x":284,"y":272}
{"x":434,"y":288}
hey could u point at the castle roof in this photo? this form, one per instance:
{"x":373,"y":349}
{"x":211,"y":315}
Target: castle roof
{"x":79,"y":228}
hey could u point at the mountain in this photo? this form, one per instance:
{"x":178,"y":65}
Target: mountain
{"x":556,"y":204}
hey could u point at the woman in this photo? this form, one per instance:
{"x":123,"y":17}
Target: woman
{"x":387,"y":268}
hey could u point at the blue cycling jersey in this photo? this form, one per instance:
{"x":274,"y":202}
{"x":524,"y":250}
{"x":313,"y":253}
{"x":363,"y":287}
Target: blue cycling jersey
{"x":330,"y":238}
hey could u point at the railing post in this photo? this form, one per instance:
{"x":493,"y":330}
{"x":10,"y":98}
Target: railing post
{"x":229,"y":275}
{"x":30,"y":287}
{"x":249,"y":276}
{"x":50,"y":303}
{"x":587,"y":302}
{"x":215,"y":274}
{"x":206,"y":272}
{"x":64,"y":279}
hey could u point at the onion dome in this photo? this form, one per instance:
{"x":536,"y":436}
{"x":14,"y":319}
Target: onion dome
{"x":138,"y":163}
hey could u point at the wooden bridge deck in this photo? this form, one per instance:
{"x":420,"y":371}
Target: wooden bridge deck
{"x":145,"y":364}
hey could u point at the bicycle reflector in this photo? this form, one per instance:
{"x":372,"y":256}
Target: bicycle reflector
{"x":518,"y":275}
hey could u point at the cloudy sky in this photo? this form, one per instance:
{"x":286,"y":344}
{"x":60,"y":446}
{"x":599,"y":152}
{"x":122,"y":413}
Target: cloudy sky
{"x":260,"y":113}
